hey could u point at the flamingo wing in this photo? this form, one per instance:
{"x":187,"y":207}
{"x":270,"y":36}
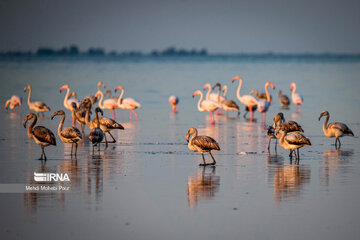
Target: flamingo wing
{"x":341,"y":126}
{"x":206,"y":143}
{"x":44,"y":135}
{"x":297,"y":139}
{"x":71,"y":132}
{"x":110,"y":123}
{"x":248,"y":100}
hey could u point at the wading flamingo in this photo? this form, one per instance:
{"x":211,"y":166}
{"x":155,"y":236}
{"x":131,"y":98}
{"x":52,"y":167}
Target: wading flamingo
{"x":96,"y":135}
{"x":201,"y":144}
{"x":41,"y":135}
{"x":68,"y":102}
{"x":335,"y":129}
{"x":173,"y":100}
{"x":248,"y":100}
{"x":107,"y":103}
{"x":13,"y":102}
{"x":263,"y":105}
{"x":67,"y":135}
{"x":295,"y":97}
{"x":127,"y":103}
{"x":36,"y":106}
{"x":227,"y":104}
{"x":206,"y":105}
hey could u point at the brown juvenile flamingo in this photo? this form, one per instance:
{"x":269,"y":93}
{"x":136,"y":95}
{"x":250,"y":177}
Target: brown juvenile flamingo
{"x":292,"y":141}
{"x":79,"y":113}
{"x":279,"y":121}
{"x":36,"y":106}
{"x":335,"y":129}
{"x":96,"y":135}
{"x":106,"y":124}
{"x":248,"y":100}
{"x":206,"y":105}
{"x":67,"y":135}
{"x":127,"y":103}
{"x":226,"y":104}
{"x":13,"y":102}
{"x":295,"y":97}
{"x":41,"y":135}
{"x":92,"y":98}
{"x":173,"y":100}
{"x":201,"y":144}
{"x":284,"y":100}
{"x":107,"y":103}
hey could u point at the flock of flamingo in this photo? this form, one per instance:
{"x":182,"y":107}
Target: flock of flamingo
{"x":289,"y":133}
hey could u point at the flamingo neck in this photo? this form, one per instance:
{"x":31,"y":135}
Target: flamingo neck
{"x":238,"y":90}
{"x":192,"y":137}
{"x":97,"y":120}
{"x":30,"y":132}
{"x":208,"y":93}
{"x":199,"y":103}
{"x":282,"y":137}
{"x":29,"y":97}
{"x":87,"y":117}
{"x":225,"y":90}
{"x":294,"y":89}
{"x":101,"y":99}
{"x":119,"y":101}
{"x":61,"y":124}
{"x":267,"y":93}
{"x":218,"y":94}
{"x":325,"y":127}
{"x":66,"y":97}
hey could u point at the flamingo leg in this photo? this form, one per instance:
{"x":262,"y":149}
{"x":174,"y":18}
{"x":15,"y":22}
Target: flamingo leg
{"x":72,"y":146}
{"x":130,"y":115}
{"x":137,"y":119}
{"x":214,"y":162}
{"x":113,"y":115}
{"x":269,"y":144}
{"x":106,"y":142}
{"x":76,"y":145}
{"x":73,"y":122}
{"x":251,"y":114}
{"x":204,"y":164}
{"x":114,"y":141}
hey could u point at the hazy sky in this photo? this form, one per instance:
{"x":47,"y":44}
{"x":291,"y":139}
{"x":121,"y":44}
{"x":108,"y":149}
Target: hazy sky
{"x":218,"y":25}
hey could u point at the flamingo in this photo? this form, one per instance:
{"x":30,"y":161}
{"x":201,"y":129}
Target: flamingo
{"x":68,"y":102}
{"x":13,"y":102}
{"x":249,"y":101}
{"x":173,"y":100}
{"x":68,"y":135}
{"x":295,"y":97}
{"x":96,"y":135}
{"x":36,"y":106}
{"x":107,"y":103}
{"x":292,"y":141}
{"x":206,"y":105}
{"x":92,"y":98}
{"x":106,"y":124}
{"x":201,"y":144}
{"x":260,"y":95}
{"x":108,"y":93}
{"x":226,"y":104}
{"x":79,"y":113}
{"x":213,"y":96}
{"x":335,"y":129}
{"x":263,"y":105}
{"x":41,"y":135}
{"x":127,"y":103}
{"x":284,"y":100}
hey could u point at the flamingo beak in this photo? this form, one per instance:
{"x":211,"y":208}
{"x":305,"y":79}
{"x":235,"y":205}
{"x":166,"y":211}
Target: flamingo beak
{"x":291,"y":87}
{"x":61,"y":89}
{"x":235,"y":78}
{"x":272,"y":85}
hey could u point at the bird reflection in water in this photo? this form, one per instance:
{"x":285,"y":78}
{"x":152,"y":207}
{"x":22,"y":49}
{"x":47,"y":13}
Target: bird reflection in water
{"x":202,"y":186}
{"x":289,"y":181}
{"x":336,"y":163}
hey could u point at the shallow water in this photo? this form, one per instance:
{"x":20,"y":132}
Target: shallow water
{"x":149,"y":185}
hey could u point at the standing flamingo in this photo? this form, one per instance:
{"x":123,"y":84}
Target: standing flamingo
{"x":36,"y":106}
{"x":226,"y":104}
{"x":295,"y":97}
{"x":248,"y":100}
{"x":41,"y":135}
{"x":335,"y":129}
{"x":127,"y":103}
{"x":206,"y":105}
{"x":13,"y":102}
{"x":173,"y":100}
{"x":96,"y":135}
{"x":106,"y":124}
{"x":202,"y":144}
{"x":68,"y":135}
{"x":263,"y":105}
{"x":107,"y":103}
{"x":68,"y":102}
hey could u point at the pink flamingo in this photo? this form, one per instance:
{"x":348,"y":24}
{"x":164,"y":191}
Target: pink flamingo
{"x":263,"y":105}
{"x":68,"y":102}
{"x":36,"y":106}
{"x":107,"y":103}
{"x":206,"y":105}
{"x":127,"y":103}
{"x":173,"y":100}
{"x":248,"y":100}
{"x":295,"y":97}
{"x":14,"y":101}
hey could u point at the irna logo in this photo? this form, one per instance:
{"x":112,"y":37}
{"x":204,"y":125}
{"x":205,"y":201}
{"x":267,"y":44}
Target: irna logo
{"x":51,"y":177}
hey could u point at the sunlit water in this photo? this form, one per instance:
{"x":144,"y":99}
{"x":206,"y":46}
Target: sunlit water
{"x":149,"y":185}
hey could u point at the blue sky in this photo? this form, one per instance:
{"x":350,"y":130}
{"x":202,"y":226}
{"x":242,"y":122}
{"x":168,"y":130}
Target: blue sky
{"x":221,"y":26}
